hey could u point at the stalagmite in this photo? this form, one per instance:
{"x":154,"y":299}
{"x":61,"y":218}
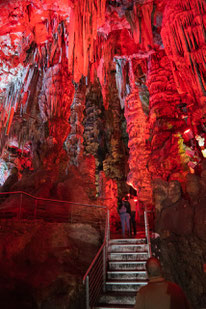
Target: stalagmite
{"x":93,"y":122}
{"x":114,"y":163}
{"x":139,"y":176}
{"x":108,"y":192}
{"x":74,"y":141}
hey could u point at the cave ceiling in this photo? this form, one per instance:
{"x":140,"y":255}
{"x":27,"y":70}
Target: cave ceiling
{"x":137,"y":68}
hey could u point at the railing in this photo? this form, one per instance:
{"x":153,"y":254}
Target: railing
{"x":95,"y":277}
{"x":21,"y":205}
{"x":147,"y":231}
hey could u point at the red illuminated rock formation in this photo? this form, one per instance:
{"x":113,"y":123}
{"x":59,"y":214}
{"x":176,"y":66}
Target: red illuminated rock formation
{"x":139,"y":73}
{"x":55,"y":100}
{"x":108,"y":192}
{"x":138,"y":177}
{"x":130,"y":70}
{"x":93,"y":120}
{"x":74,"y":141}
{"x":42,"y":83}
{"x":167,"y":153}
{"x":86,"y":17}
{"x":141,"y":25}
{"x":183,"y":34}
{"x":114,"y":163}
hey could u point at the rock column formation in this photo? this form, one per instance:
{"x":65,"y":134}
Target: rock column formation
{"x":114,"y":163}
{"x":93,"y":122}
{"x":74,"y":141}
{"x":167,"y":153}
{"x":139,"y":176}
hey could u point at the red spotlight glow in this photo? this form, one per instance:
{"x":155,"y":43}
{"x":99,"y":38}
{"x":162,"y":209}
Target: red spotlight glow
{"x":188,"y":134}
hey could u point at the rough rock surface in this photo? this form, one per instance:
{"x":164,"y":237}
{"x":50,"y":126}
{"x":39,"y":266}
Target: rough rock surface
{"x":42,"y":264}
{"x":180,"y":223}
{"x":164,"y":120}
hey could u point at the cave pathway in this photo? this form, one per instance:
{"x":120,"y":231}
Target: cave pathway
{"x":126,"y":271}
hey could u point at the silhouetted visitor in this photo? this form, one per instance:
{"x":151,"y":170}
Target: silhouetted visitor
{"x":124,"y":212}
{"x":133,"y":206}
{"x":159,"y":293}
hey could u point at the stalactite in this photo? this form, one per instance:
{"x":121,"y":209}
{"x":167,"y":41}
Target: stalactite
{"x":10,"y":101}
{"x":34,"y":43}
{"x":74,"y":141}
{"x":86,"y":17}
{"x":45,"y":86}
{"x":114,"y":46}
{"x":122,"y":79}
{"x":183,"y":34}
{"x":141,"y":24}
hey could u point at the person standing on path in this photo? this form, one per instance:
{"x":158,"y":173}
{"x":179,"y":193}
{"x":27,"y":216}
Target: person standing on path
{"x":133,"y":206}
{"x":124,"y":212}
{"x":159,"y":293}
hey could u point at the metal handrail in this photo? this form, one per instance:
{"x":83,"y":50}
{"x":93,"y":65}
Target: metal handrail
{"x":93,"y":288}
{"x":51,"y":200}
{"x":46,"y":209}
{"x":93,"y":291}
{"x":147,"y":233}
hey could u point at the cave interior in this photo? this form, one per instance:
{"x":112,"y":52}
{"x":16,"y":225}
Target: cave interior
{"x":98,"y":99}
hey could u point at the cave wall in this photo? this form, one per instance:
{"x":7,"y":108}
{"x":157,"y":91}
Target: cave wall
{"x":180,"y":243}
{"x":42,"y":263}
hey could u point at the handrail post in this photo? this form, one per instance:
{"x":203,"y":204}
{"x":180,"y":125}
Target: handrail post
{"x":87,"y":292}
{"x":107,"y":230}
{"x":35,"y":209}
{"x":105,"y":249}
{"x":20,"y":206}
{"x":68,"y":214}
{"x":104,"y":268}
{"x":147,"y":232}
{"x":71,"y":212}
{"x":108,"y":226}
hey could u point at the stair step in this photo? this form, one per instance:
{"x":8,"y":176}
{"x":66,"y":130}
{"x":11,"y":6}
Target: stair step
{"x":126,"y":285}
{"x":125,"y":274}
{"x":120,"y":298}
{"x":127,"y":241}
{"x":128,"y":256}
{"x":123,"y":247}
{"x":127,"y":265}
{"x":115,"y":306}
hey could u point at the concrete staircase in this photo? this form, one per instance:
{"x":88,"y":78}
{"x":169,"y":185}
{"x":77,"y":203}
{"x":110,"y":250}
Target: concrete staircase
{"x":126,"y":273}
